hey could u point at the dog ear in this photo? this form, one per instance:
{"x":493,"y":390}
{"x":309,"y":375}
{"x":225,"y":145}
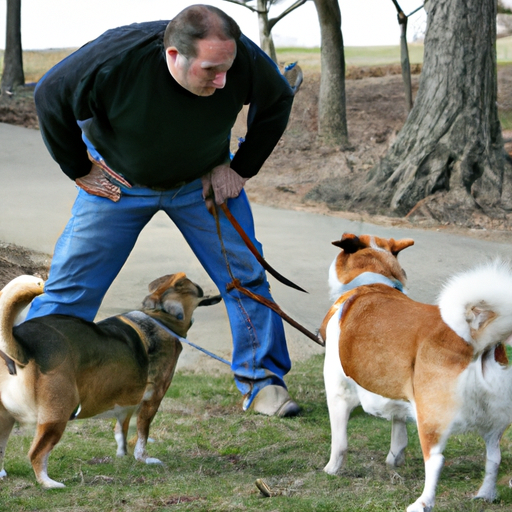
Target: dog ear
{"x":163,"y":283}
{"x":210,"y":301}
{"x":349,"y":243}
{"x":154,"y":285}
{"x":395,"y":246}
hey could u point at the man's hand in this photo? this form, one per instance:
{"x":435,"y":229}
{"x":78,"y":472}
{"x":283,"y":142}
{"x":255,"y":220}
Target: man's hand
{"x":225,"y":184}
{"x":97,"y":184}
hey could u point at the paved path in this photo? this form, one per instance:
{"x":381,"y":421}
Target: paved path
{"x":36,"y":199}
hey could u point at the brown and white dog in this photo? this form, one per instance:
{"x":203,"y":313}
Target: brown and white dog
{"x":444,"y":365}
{"x":61,"y":367}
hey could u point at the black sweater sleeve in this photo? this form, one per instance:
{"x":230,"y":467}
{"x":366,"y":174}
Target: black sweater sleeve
{"x":58,"y":124}
{"x":270,"y":102}
{"x":64,"y":94}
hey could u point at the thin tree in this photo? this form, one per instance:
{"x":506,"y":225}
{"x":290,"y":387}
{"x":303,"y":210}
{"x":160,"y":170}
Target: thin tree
{"x":332,"y":114}
{"x":404,"y":55}
{"x":12,"y":75}
{"x":265,"y":23}
{"x":332,"y":118}
{"x":448,"y":161}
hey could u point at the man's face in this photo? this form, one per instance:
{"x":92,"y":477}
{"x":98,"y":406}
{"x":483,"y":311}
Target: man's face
{"x":204,"y":74}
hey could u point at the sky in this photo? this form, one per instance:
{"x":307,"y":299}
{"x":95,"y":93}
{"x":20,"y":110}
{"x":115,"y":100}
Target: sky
{"x":71,"y":23}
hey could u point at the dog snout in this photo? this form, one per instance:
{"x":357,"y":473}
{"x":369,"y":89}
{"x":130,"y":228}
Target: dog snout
{"x":174,"y":308}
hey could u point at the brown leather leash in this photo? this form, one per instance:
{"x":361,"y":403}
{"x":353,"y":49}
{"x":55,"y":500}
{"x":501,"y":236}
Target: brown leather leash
{"x":235,"y":283}
{"x":255,"y":251}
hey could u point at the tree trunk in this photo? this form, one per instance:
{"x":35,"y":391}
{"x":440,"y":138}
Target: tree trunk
{"x":404,"y":60}
{"x":266,"y":41}
{"x":404,"y":55}
{"x":12,"y":74}
{"x":448,"y":161}
{"x":332,"y":115}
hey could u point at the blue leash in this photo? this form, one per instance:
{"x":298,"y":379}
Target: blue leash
{"x":184,"y":340}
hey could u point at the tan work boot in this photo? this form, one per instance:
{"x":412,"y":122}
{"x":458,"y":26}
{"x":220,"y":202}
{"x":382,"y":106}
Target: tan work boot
{"x":275,"y":401}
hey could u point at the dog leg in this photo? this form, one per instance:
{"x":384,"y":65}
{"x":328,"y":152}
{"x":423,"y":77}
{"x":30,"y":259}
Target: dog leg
{"x":339,"y":414}
{"x":147,"y":412}
{"x":121,"y":430}
{"x":399,"y":439}
{"x":487,"y":490}
{"x":341,"y":399}
{"x":6,"y":424}
{"x":47,"y":436}
{"x":433,"y":466}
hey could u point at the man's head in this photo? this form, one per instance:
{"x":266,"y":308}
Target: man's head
{"x":200,"y":47}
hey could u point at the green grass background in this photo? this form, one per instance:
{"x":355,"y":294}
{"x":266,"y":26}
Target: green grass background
{"x":213,"y":453}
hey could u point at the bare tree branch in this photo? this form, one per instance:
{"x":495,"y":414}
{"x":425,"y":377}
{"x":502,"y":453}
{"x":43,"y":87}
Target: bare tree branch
{"x":244,"y":4}
{"x":296,"y":5}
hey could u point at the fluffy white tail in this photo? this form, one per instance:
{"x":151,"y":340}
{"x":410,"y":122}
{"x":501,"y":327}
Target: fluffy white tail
{"x":477,"y":304}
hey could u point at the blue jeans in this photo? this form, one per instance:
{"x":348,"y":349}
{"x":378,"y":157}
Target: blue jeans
{"x":100,"y":236}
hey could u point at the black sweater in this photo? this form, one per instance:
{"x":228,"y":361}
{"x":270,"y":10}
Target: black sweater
{"x":145,"y":125}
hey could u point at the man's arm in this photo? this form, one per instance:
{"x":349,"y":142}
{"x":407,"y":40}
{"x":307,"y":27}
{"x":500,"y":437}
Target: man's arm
{"x":57,"y":121}
{"x":270,"y":105}
{"x":66,"y":94}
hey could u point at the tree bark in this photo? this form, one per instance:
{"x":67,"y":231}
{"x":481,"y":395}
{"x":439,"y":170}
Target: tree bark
{"x":449,"y":154}
{"x":12,"y":75}
{"x":404,"y":55}
{"x":332,"y":115}
{"x":266,"y":40}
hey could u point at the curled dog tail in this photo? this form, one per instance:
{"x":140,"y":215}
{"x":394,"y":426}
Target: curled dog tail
{"x":477,"y":304}
{"x":14,"y":296}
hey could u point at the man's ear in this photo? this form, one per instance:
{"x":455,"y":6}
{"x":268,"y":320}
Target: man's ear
{"x":172,"y":53}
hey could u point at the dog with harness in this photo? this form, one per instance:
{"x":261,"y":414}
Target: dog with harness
{"x":444,"y":365}
{"x":60,"y":368}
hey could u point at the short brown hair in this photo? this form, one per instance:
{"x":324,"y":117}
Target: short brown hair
{"x":199,"y":22}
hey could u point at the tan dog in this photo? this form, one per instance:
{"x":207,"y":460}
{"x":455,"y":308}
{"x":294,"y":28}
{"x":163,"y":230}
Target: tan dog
{"x":64,"y":368}
{"x":443,"y":365}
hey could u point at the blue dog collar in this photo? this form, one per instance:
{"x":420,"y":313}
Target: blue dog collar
{"x":367,"y":278}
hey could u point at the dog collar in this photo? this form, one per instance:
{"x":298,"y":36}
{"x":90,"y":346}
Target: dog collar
{"x":367,"y":278}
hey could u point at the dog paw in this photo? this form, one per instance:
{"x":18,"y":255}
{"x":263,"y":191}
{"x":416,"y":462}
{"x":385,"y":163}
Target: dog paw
{"x":395,"y":461}
{"x":490,"y":496}
{"x":419,"y":506}
{"x":3,"y":473}
{"x":332,"y":469}
{"x":51,"y":484}
{"x":152,"y":460}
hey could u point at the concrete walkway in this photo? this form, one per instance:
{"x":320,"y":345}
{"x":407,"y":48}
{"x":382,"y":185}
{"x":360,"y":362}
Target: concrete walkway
{"x":36,"y":199}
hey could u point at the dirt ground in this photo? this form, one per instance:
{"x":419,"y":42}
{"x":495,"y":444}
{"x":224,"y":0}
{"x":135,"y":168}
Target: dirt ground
{"x":375,"y":113}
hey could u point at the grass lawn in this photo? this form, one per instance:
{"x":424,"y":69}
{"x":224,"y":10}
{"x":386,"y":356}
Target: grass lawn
{"x":213,"y":453}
